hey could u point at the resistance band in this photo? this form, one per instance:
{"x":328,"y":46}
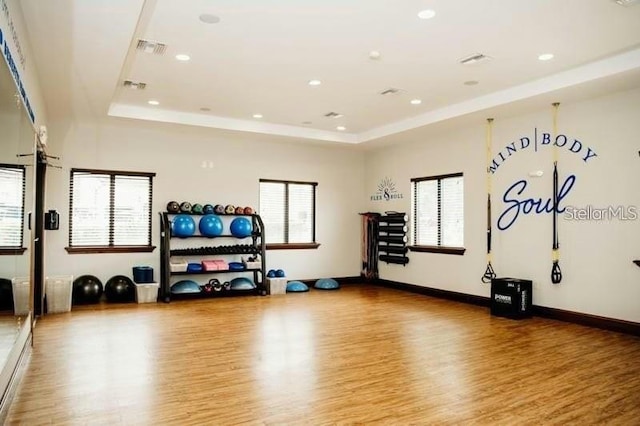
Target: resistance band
{"x":556,"y":272}
{"x":489,"y":273}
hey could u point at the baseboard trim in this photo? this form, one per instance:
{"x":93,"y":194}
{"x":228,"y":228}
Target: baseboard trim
{"x":435,"y":292}
{"x":610,"y":324}
{"x":341,"y":281}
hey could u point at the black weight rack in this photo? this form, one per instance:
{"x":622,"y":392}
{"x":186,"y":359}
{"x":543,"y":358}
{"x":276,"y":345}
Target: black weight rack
{"x":392,"y":238}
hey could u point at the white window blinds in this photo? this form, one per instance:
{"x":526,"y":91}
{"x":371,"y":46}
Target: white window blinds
{"x":12,"y":187}
{"x":288,"y":211}
{"x":110,"y":209}
{"x":438,"y":211}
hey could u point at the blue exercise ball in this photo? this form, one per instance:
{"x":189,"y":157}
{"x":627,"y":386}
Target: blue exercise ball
{"x":241,"y":227}
{"x":296,"y":287}
{"x":327,"y":284}
{"x":183,"y":226}
{"x":210,"y":225}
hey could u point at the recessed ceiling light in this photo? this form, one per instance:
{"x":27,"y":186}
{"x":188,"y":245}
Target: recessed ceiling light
{"x":153,"y":102}
{"x":416,"y":101}
{"x":341,"y":128}
{"x":209,"y":19}
{"x":545,"y":56}
{"x":315,"y":82}
{"x":205,"y":109}
{"x":257,"y":115}
{"x":374,"y":54}
{"x":182,"y":57}
{"x":471,"y":83}
{"x":426,"y":14}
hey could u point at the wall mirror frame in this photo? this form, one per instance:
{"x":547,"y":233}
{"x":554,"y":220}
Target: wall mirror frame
{"x":18,"y":156}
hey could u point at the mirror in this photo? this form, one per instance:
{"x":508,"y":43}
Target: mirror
{"x":16,"y":202}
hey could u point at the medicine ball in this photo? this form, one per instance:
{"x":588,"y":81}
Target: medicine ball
{"x":239,"y":210}
{"x":230,"y":209}
{"x":208,"y":209}
{"x":248,"y":210}
{"x":173,"y":207}
{"x":197,"y":209}
{"x":185,"y":207}
{"x":219,"y":209}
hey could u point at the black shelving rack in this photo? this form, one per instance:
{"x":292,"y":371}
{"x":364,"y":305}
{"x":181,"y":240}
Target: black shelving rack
{"x":392,"y":238}
{"x":213,"y":246}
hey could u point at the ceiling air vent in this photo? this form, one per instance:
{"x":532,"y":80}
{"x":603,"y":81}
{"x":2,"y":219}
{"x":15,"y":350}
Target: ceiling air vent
{"x":390,"y":91}
{"x":134,"y":85}
{"x":626,"y":2}
{"x":154,"y":47}
{"x":476,"y":58}
{"x":333,"y":115}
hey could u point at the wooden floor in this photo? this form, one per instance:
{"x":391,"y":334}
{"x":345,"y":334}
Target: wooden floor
{"x":362,"y":355}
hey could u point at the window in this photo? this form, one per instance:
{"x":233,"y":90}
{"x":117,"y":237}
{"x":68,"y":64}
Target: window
{"x":438,"y":214}
{"x":12,"y":188}
{"x":288,"y":210}
{"x":110,"y":211}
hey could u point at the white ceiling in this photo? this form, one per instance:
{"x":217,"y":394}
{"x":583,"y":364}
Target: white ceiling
{"x":262,"y":53}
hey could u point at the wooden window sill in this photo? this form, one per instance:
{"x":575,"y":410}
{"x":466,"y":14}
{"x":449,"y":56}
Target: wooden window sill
{"x":7,"y":251}
{"x":292,"y":246}
{"x":103,"y":249}
{"x":436,"y":249}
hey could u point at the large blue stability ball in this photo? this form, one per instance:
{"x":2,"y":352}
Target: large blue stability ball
{"x":183,"y":226}
{"x":86,"y":289}
{"x":327,"y":284}
{"x":210,"y":225}
{"x":241,"y":227}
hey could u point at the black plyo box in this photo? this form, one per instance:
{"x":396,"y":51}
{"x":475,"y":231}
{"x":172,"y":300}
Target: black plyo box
{"x":511,"y":297}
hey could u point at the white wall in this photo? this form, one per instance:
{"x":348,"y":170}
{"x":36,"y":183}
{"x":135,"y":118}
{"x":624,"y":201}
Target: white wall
{"x":176,"y":153}
{"x":599,"y":277}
